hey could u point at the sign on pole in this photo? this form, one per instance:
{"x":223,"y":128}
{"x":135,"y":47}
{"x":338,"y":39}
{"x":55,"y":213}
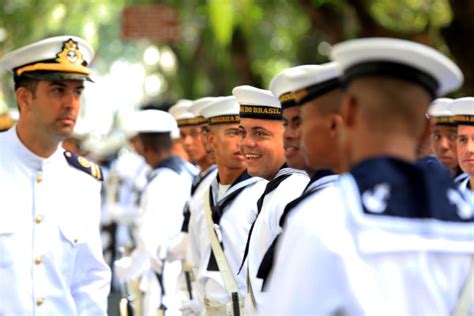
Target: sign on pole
{"x":155,"y":22}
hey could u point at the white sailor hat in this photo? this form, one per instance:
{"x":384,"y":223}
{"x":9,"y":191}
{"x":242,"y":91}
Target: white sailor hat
{"x":401,"y":59}
{"x":440,"y":111}
{"x":257,"y":103}
{"x":55,"y":58}
{"x":300,"y":84}
{"x":222,"y":110}
{"x":197,"y":107}
{"x":182,"y":115}
{"x":150,"y":121}
{"x":463,"y":111}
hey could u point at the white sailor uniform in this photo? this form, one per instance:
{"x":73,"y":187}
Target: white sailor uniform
{"x":266,"y":227}
{"x":162,"y":204}
{"x":50,"y":250}
{"x":232,"y":228}
{"x":366,"y":247}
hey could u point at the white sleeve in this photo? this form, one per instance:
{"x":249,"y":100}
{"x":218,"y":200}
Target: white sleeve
{"x":194,"y":250}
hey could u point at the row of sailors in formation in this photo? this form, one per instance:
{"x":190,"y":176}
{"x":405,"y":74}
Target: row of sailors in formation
{"x":376,"y":231}
{"x":327,"y":213}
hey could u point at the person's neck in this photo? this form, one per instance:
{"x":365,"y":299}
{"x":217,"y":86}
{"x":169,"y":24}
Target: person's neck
{"x":228,"y":175}
{"x":204,"y":164}
{"x":154,"y":158}
{"x":396,"y":146}
{"x":36,"y":141}
{"x":454,"y":171}
{"x":471,"y":183}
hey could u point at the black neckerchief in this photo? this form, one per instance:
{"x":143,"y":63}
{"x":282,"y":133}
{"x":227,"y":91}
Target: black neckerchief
{"x":271,"y":185}
{"x":219,"y":209}
{"x":186,"y":211}
{"x":201,"y":178}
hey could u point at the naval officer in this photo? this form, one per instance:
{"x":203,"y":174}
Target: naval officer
{"x":51,"y":258}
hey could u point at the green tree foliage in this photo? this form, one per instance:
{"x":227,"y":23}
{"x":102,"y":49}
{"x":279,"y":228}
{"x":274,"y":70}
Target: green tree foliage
{"x":225,"y":43}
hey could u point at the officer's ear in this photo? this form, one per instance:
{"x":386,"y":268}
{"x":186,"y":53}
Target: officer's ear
{"x":23,"y":98}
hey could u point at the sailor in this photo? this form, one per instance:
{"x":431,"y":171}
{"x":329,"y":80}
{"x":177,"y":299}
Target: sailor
{"x":196,"y":109}
{"x":190,"y":132}
{"x":221,"y":216}
{"x":317,"y":92}
{"x":443,"y":136}
{"x":191,"y":135}
{"x":262,"y":145}
{"x":50,"y":249}
{"x":161,"y":203}
{"x":375,"y":245}
{"x":463,"y":116}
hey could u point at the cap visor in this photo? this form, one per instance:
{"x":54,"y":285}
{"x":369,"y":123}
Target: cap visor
{"x":56,"y":76}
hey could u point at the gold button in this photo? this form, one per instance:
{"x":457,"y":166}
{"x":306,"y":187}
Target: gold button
{"x":39,"y":301}
{"x":38,"y":219}
{"x":38,"y":260}
{"x":39,"y":178}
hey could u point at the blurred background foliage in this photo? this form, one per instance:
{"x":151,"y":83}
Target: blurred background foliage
{"x":225,"y":43}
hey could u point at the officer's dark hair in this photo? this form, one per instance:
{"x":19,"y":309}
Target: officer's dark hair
{"x":28,"y":83}
{"x":156,"y":142}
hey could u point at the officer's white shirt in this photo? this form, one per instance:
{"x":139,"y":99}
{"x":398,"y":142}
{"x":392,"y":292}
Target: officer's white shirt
{"x":233,"y":231}
{"x":267,"y":227}
{"x":50,"y":248}
{"x":336,"y":270}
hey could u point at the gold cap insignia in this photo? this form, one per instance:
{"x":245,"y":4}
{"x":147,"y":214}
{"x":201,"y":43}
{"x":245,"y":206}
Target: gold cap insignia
{"x":70,"y":54}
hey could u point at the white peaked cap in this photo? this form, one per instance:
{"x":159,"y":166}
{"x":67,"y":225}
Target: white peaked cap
{"x":463,"y":111}
{"x":248,"y":95}
{"x":401,"y":58}
{"x":67,"y":55}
